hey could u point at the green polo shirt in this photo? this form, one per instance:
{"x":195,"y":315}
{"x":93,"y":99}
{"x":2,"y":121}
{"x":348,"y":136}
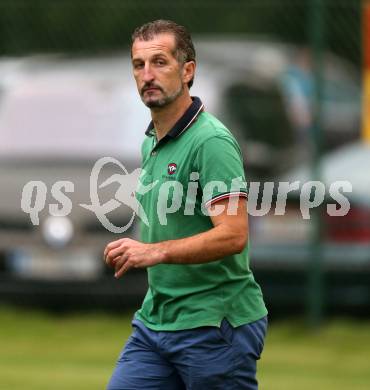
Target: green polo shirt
{"x":196,"y":164}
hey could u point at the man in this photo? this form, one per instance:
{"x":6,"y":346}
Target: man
{"x":203,"y":321}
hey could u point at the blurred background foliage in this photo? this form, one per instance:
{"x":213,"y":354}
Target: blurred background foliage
{"x":93,"y":26}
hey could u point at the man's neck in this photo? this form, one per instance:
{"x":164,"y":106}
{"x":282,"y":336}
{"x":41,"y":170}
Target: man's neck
{"x":165,"y":118}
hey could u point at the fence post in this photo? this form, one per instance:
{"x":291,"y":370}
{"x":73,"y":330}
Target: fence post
{"x":366,"y":71}
{"x":315,"y":266}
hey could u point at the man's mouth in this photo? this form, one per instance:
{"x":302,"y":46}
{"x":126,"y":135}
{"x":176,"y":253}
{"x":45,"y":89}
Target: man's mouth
{"x":151,"y":89}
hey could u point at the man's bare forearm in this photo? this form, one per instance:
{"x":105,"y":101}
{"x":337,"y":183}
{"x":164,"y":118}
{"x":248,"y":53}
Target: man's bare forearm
{"x":214,"y":244}
{"x":228,"y":236}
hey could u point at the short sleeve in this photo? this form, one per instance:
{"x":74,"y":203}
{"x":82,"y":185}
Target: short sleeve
{"x":220,"y":167}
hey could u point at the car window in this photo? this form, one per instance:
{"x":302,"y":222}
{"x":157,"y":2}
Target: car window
{"x":260,"y":114}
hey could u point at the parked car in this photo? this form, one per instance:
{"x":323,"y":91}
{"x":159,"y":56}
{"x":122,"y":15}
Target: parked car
{"x":283,"y":246}
{"x":60,"y":114}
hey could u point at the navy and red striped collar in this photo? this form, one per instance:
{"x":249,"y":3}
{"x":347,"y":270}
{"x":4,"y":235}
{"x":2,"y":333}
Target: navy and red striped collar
{"x":184,"y":122}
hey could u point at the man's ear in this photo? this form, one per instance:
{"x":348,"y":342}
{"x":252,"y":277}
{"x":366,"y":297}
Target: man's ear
{"x":188,"y":71}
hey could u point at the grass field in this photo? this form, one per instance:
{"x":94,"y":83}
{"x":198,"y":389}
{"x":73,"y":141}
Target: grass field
{"x":39,"y":351}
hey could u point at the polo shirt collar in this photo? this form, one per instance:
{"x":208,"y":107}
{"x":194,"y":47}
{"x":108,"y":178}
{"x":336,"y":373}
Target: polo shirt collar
{"x":184,"y":122}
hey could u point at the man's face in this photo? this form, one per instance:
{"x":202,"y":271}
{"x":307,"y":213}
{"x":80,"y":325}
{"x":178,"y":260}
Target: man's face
{"x":157,"y":72}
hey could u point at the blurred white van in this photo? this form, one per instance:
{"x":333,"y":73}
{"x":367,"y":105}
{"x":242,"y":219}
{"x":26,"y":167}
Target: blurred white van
{"x":60,"y":114}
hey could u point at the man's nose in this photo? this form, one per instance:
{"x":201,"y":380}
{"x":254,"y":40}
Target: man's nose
{"x":148,"y":74}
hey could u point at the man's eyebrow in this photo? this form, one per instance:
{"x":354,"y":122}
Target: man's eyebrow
{"x":155,"y":55}
{"x":159,"y":55}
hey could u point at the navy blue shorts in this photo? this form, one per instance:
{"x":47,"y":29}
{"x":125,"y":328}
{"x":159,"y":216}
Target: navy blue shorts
{"x":208,"y":358}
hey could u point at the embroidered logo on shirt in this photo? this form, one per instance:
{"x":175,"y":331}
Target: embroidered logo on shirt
{"x":171,"y":169}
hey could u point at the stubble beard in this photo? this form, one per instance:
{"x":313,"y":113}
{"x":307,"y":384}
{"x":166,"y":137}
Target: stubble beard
{"x":165,"y":100}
